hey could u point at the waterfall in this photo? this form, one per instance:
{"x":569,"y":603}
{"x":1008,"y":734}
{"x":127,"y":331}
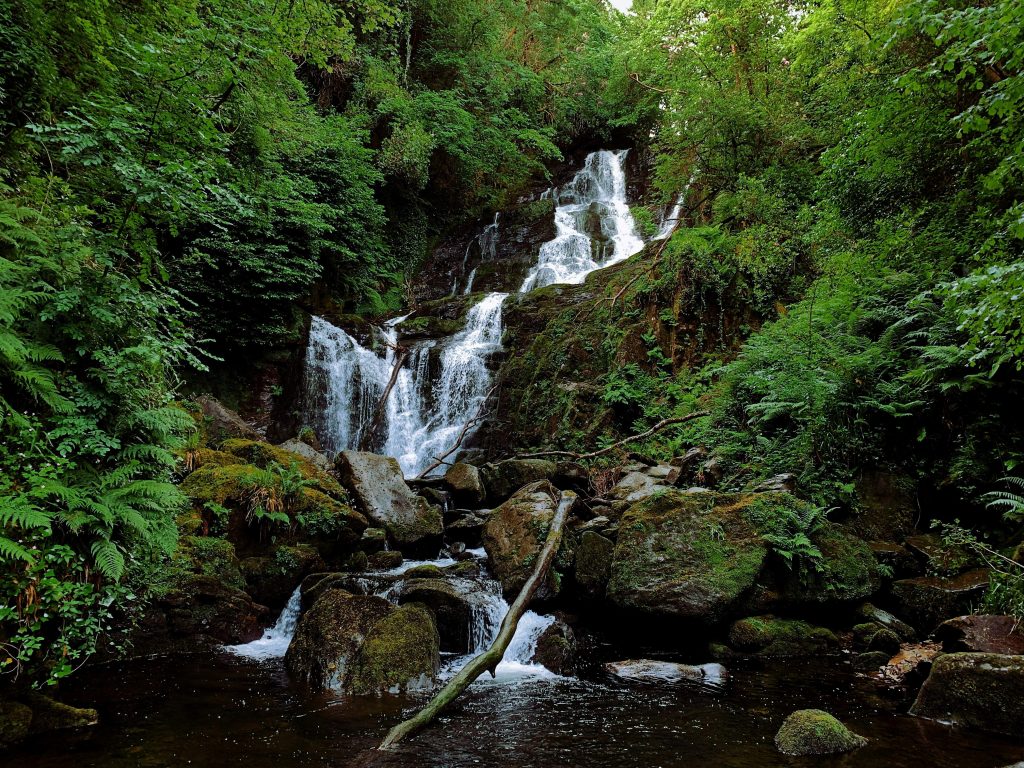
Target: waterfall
{"x":593,"y":225}
{"x":669,"y":222}
{"x":276,"y":639}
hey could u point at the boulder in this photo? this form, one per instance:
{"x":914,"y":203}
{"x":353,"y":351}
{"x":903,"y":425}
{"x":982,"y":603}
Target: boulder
{"x":50,"y":715}
{"x":467,"y":529}
{"x":424,"y":571}
{"x":885,"y":619}
{"x":886,"y":506}
{"x":884,"y":641}
{"x":899,"y":561}
{"x":514,"y":535}
{"x":15,"y":720}
{"x":634,"y":487}
{"x":373,"y":540}
{"x":556,"y":648}
{"x":203,"y":607}
{"x":328,"y":637}
{"x":384,"y":561}
{"x":401,"y":653}
{"x":652,"y":671}
{"x":783,"y":483}
{"x":307,"y":451}
{"x":378,"y":487}
{"x":691,"y":556}
{"x":768,"y":636}
{"x":465,"y":484}
{"x":593,"y":563}
{"x":221,"y":423}
{"x":977,"y":690}
{"x":871,"y":661}
{"x":814,"y":732}
{"x":911,"y":665}
{"x":982,"y":634}
{"x":570,"y":476}
{"x":271,"y":579}
{"x":845,"y":572}
{"x":927,"y":601}
{"x":451,"y":601}
{"x":504,"y":478}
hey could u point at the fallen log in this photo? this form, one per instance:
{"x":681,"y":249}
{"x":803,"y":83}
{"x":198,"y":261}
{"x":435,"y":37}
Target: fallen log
{"x":488,"y":660}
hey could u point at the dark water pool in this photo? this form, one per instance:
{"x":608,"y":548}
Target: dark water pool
{"x":218,"y":711}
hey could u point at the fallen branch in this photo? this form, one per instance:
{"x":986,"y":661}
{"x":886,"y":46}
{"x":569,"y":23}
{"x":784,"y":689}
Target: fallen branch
{"x":476,"y":419}
{"x":378,"y":415}
{"x":488,"y":660}
{"x":632,"y":438}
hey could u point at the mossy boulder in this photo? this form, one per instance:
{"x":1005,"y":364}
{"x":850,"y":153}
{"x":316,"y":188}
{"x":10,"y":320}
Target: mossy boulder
{"x":271,"y":579}
{"x":814,"y":732}
{"x":687,"y":555}
{"x":556,"y":648}
{"x":211,"y":557}
{"x":51,"y":715}
{"x":219,"y":423}
{"x":768,"y":636}
{"x":593,"y":563}
{"x":378,"y":487}
{"x":15,"y":720}
{"x":466,"y":485}
{"x":984,"y":633}
{"x":265,"y":456}
{"x":927,"y":601}
{"x":384,"y":561}
{"x":328,"y":637}
{"x":504,"y":478}
{"x":514,"y":535}
{"x":977,"y":690}
{"x":425,"y":571}
{"x":401,"y":653}
{"x":451,"y":602}
{"x":207,"y":611}
{"x":845,"y":572}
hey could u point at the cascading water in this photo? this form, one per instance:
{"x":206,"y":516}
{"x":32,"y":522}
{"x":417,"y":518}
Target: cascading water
{"x":669,"y":222}
{"x":276,"y":639}
{"x":594,"y":227}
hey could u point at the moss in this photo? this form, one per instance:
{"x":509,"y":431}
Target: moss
{"x":468,"y":569}
{"x":385,"y":561}
{"x":49,"y":715}
{"x":427,"y":571}
{"x":400,"y":653}
{"x":15,"y":720}
{"x":211,"y":557}
{"x":768,"y":636}
{"x":814,"y":732}
{"x":321,"y":515}
{"x":219,"y":484}
{"x":265,"y":455}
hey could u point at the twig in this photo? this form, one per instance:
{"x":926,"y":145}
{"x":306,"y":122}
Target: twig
{"x":476,"y":419}
{"x":632,"y":438}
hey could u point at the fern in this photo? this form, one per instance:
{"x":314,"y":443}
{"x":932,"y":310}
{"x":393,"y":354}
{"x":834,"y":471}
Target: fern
{"x":1012,"y":503}
{"x":107,"y":559}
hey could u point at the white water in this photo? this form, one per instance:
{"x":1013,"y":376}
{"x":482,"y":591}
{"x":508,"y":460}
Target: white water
{"x":594,"y":227}
{"x":276,"y":639}
{"x":669,"y":222}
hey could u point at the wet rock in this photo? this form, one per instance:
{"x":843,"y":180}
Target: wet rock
{"x":870,"y":661}
{"x":814,"y":732}
{"x":329,"y":635}
{"x":221,"y":423}
{"x":384,"y":561}
{"x":50,"y":715}
{"x":316,"y":584}
{"x":358,"y":561}
{"x":270,"y":580}
{"x":982,"y":634}
{"x":377,"y":484}
{"x":467,"y":529}
{"x":425,"y":571}
{"x":978,"y":690}
{"x":572,"y":477}
{"x":711,"y":472}
{"x":593,"y":563}
{"x":452,"y":605}
{"x":401,"y":653}
{"x":596,"y":524}
{"x":15,"y":720}
{"x":634,"y":487}
{"x":652,"y":671}
{"x":885,"y":619}
{"x":768,"y":636}
{"x":467,"y":569}
{"x":685,"y":466}
{"x":301,"y":448}
{"x":884,"y":641}
{"x":784,"y":483}
{"x":203,"y":607}
{"x":504,"y":478}
{"x":659,"y":471}
{"x":373,"y":540}
{"x":692,"y":556}
{"x":556,"y":648}
{"x":927,"y":601}
{"x":911,"y":665}
{"x":845,"y":572}
{"x":514,"y":535}
{"x":937,"y":555}
{"x":466,"y":485}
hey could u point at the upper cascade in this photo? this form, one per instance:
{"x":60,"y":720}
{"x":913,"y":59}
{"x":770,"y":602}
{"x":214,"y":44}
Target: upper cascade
{"x":595,"y":228}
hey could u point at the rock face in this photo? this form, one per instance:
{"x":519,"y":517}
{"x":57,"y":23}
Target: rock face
{"x":652,"y":671}
{"x":222,"y":423}
{"x":979,"y":690}
{"x":691,"y":556}
{"x":846,"y":571}
{"x":400,"y":653}
{"x":304,"y":449}
{"x":929,"y":600}
{"x":634,"y":487}
{"x":377,"y":484}
{"x":515,"y":533}
{"x":982,"y":634}
{"x":814,"y":732}
{"x":504,"y":478}
{"x":770,"y":636}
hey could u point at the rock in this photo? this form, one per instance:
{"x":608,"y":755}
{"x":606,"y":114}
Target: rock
{"x":437,"y":497}
{"x":691,"y":556}
{"x":377,"y":484}
{"x":596,"y":524}
{"x":886,"y":506}
{"x":767,"y":636}
{"x":309,"y":436}
{"x":384,"y":561}
{"x":452,"y":606}
{"x":649,"y":670}
{"x":784,"y":483}
{"x":401,"y":653}
{"x":982,"y":634}
{"x":911,"y":665}
{"x":936,"y":555}
{"x":978,"y":690}
{"x":316,"y":584}
{"x":885,"y":619}
{"x":814,"y":732}
{"x":270,"y":580}
{"x":302,"y":448}
{"x":467,"y":529}
{"x":15,"y":720}
{"x":871,"y":661}
{"x":506,"y":477}
{"x":685,"y":466}
{"x":359,"y":561}
{"x":465,"y":484}
{"x":425,"y":571}
{"x":896,"y":558}
{"x":514,"y":535}
{"x":884,"y":641}
{"x":634,"y":487}
{"x":221,"y":423}
{"x":659,"y":471}
{"x":711,"y":472}
{"x":49,"y":715}
{"x":593,"y":563}
{"x":328,"y":636}
{"x":845,"y":572}
{"x":373,"y":540}
{"x":204,"y":607}
{"x":556,"y":648}
{"x":467,"y":569}
{"x":927,"y":601}
{"x":570,"y":476}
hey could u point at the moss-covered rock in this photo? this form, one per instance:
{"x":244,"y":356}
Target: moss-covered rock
{"x":425,"y":571}
{"x":329,"y":635}
{"x":514,"y":535}
{"x":768,"y":636}
{"x":211,"y":557}
{"x":504,"y":478}
{"x":451,"y":604}
{"x":593,"y":563}
{"x":927,"y":601}
{"x":15,"y":720}
{"x":978,"y":690}
{"x":384,"y":561}
{"x":884,"y":641}
{"x":845,"y":572}
{"x":556,"y":648}
{"x":271,"y":579}
{"x":401,"y":653}
{"x":466,"y":485}
{"x":265,"y":456}
{"x":689,"y":555}
{"x":814,"y":732}
{"x":50,"y":715}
